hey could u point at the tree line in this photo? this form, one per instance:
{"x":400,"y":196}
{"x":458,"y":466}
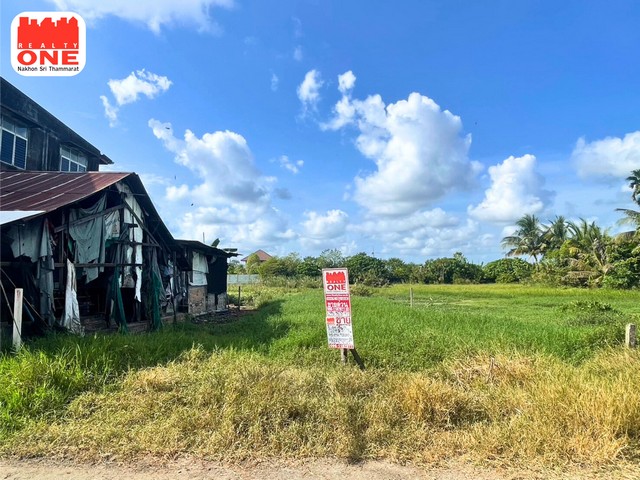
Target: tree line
{"x":581,"y":253}
{"x":561,"y":252}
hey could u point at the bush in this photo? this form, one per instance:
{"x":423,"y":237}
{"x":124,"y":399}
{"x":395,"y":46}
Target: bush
{"x":361,"y":290}
{"x":591,"y":313}
{"x":508,"y":270}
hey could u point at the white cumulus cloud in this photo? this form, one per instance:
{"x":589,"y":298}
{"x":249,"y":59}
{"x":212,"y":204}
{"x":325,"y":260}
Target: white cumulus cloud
{"x":129,"y":89}
{"x":293,"y":167}
{"x":153,"y":13}
{"x":516,"y":189}
{"x":309,"y":90}
{"x":609,"y":157}
{"x":420,"y":151}
{"x":331,"y":225}
{"x":232,"y":200}
{"x":346,"y":82}
{"x":424,"y":233}
{"x":138,"y":83}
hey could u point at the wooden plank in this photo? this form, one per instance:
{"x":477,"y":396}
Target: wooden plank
{"x":106,"y":265}
{"x":17,"y":319}
{"x":630,"y":337}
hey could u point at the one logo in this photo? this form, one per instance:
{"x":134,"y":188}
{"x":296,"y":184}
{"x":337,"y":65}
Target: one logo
{"x":335,"y":277}
{"x":48,"y":44}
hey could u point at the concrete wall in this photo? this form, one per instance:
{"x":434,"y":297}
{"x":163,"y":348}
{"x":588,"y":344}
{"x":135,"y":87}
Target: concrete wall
{"x":197,"y":298}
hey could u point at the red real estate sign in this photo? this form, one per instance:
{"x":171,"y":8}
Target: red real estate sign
{"x":337,"y":300}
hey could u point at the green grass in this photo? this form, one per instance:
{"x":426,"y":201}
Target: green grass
{"x":493,"y":372}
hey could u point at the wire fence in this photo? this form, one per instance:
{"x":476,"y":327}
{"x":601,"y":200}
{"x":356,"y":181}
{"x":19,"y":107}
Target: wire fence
{"x":242,"y":279}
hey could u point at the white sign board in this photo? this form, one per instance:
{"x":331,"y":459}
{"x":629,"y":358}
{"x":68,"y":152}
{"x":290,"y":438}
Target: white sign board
{"x":337,"y":301}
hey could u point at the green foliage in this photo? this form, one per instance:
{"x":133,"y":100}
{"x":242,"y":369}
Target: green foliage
{"x":527,"y":240}
{"x":253,"y":263}
{"x":331,"y":258}
{"x":508,"y":270}
{"x":398,"y":271}
{"x":235,"y":267}
{"x":367,"y":270}
{"x":452,"y":270}
{"x":309,"y":267}
{"x":360,"y":290}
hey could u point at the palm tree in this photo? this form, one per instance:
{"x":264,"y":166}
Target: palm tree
{"x":555,"y":234}
{"x":589,"y":249}
{"x":527,"y":240}
{"x":634,"y":183}
{"x":632,"y":217}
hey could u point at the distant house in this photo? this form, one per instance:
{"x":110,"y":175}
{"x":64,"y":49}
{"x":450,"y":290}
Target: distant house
{"x":206,"y":278}
{"x":33,"y":139}
{"x":262,"y":256}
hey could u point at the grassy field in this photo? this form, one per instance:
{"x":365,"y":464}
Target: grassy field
{"x":505,"y":374}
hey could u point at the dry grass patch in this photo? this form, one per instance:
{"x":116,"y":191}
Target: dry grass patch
{"x":230,"y":406}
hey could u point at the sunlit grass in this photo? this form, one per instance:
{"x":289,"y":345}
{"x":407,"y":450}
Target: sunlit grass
{"x":507,"y":374}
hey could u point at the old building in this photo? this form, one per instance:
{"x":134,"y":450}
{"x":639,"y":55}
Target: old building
{"x":206,"y":279}
{"x":88,"y":249}
{"x":33,"y":139}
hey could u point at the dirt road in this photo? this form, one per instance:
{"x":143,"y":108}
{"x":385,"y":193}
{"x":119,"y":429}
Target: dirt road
{"x":328,"y":469}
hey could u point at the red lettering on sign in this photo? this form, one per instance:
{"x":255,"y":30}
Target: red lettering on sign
{"x":27,"y":57}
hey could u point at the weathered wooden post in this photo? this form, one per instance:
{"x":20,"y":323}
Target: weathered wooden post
{"x":630,"y":337}
{"x":17,"y":319}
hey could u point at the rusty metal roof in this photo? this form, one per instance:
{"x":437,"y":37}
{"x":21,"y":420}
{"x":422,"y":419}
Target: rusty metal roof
{"x":47,"y":191}
{"x":203,"y":247}
{"x":36,"y":193}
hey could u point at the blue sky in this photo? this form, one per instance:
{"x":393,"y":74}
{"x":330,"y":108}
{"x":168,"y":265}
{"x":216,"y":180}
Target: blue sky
{"x":412,"y":129}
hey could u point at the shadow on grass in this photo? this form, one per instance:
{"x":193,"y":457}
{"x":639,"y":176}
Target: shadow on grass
{"x":50,"y":371}
{"x":118,"y":353}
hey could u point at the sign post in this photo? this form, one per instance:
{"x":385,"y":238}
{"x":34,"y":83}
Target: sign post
{"x":337,"y":300}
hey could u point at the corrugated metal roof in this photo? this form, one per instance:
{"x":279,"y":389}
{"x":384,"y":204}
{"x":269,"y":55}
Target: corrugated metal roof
{"x":47,"y":191}
{"x":203,"y":247}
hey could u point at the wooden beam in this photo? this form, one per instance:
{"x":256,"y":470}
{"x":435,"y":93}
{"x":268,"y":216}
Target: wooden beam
{"x":134,"y":215}
{"x":86,"y":219}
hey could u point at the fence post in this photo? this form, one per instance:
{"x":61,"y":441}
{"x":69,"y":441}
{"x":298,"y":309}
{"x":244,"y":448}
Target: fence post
{"x":630,"y":338}
{"x":17,"y":319}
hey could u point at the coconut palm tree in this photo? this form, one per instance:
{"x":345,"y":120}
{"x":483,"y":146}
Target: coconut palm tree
{"x":589,"y":249}
{"x":631,"y":217}
{"x":555,"y":234}
{"x":527,"y":239}
{"x":634,"y":183}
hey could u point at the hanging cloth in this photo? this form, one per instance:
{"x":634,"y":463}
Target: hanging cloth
{"x":89,"y":237}
{"x":71,"y":317}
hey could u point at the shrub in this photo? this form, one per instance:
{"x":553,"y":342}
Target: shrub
{"x":361,"y":290}
{"x":508,"y":270}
